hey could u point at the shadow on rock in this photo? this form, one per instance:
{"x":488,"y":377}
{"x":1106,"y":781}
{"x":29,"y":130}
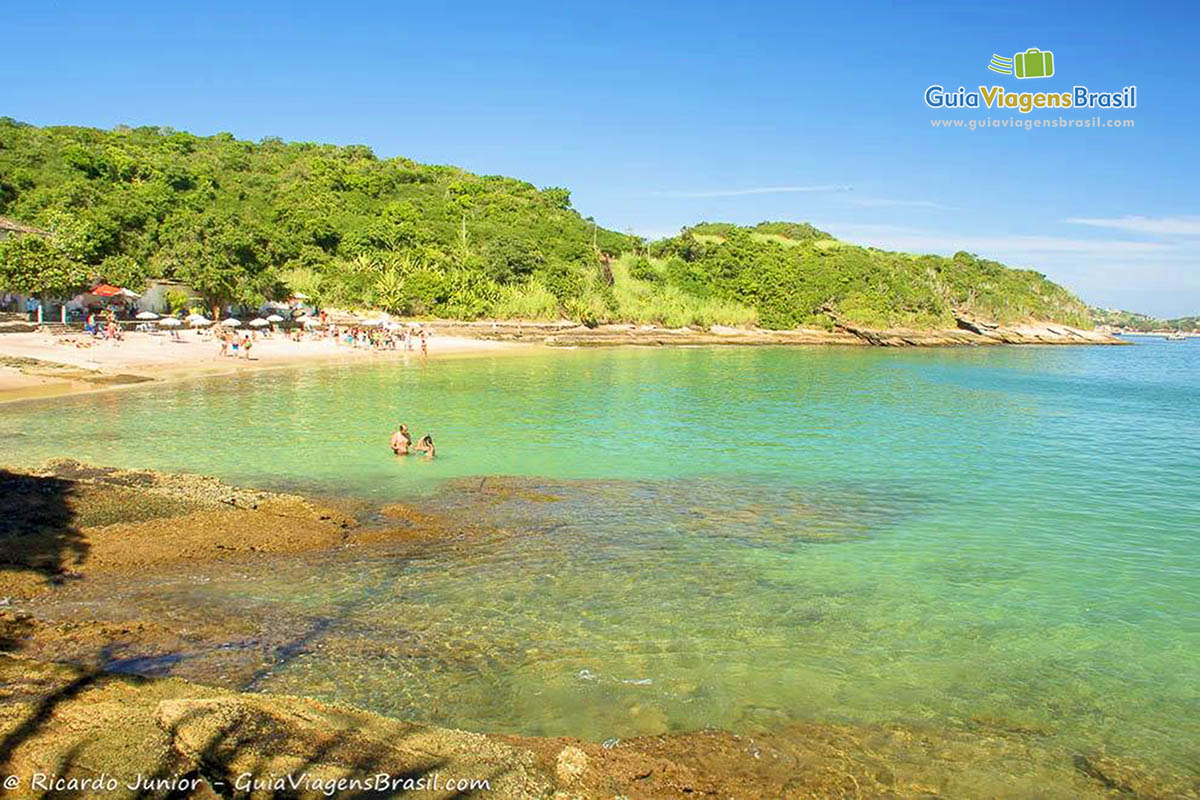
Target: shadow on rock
{"x":171,"y":739}
{"x":38,"y":531}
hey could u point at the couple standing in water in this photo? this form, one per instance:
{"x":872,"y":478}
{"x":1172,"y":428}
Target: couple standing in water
{"x":402,"y":443}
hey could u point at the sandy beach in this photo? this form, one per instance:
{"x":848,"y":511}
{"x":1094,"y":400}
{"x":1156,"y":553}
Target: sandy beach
{"x":42,"y":364}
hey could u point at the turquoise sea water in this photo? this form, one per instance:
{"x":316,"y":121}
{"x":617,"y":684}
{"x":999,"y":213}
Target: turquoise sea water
{"x":724,"y":537}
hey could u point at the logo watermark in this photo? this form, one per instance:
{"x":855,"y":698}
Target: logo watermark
{"x":1025,"y":123}
{"x":245,"y":784}
{"x":1033,"y":63}
{"x":997,"y":97}
{"x":1030,"y":64}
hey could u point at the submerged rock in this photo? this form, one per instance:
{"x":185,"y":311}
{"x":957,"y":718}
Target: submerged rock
{"x":570,"y":765}
{"x":78,"y":723}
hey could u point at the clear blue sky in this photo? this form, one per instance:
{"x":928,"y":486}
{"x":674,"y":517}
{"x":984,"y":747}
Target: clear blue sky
{"x":660,"y":116}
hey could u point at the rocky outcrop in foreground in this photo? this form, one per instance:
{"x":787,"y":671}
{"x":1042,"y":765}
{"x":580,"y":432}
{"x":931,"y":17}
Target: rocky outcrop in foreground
{"x":170,"y":738}
{"x":66,"y":521}
{"x":77,"y":723}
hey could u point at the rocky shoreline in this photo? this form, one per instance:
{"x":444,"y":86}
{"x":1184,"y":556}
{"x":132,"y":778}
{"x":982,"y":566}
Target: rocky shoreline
{"x":70,"y":707}
{"x":184,"y":740}
{"x":970,"y":332}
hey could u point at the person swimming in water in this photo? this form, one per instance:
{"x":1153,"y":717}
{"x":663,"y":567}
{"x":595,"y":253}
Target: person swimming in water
{"x":401,"y":441}
{"x":425,"y":445}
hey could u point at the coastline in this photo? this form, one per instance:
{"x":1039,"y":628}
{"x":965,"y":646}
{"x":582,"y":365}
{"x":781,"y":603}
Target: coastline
{"x":35,"y":365}
{"x":971,"y":332}
{"x":117,"y":711}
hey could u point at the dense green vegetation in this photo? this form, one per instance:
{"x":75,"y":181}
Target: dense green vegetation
{"x":243,"y":222}
{"x":790,"y":273}
{"x":1129,"y":320}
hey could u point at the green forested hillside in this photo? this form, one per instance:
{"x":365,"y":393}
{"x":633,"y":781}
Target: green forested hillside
{"x":245,"y":221}
{"x":790,"y":273}
{"x":1133,"y":321}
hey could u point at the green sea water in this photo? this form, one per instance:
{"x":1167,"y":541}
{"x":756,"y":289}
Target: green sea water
{"x":738,"y":538}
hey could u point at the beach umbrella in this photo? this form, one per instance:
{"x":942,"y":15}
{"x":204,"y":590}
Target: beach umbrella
{"x":106,"y":290}
{"x":231,"y":322}
{"x":170,"y":322}
{"x":199,"y":321}
{"x":274,"y":318}
{"x":310,"y":322}
{"x":147,"y":315}
{"x":257,"y":322}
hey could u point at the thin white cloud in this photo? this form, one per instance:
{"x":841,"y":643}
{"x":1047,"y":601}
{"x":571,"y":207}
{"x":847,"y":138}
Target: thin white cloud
{"x":888,"y":202}
{"x":753,"y":190}
{"x":1177,"y":226}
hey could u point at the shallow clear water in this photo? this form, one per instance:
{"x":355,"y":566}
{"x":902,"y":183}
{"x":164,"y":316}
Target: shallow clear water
{"x":726,"y":537}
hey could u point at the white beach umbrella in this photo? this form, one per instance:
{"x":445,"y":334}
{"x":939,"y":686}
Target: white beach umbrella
{"x":257,"y":322}
{"x":274,"y":318}
{"x":169,"y":322}
{"x":199,"y":321}
{"x":311,"y":322}
{"x":147,"y":315}
{"x":231,"y":322}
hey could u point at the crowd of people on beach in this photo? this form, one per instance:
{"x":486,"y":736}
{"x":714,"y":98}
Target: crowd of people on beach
{"x":232,"y":340}
{"x":232,"y":345}
{"x":379,"y":338}
{"x":103,"y":327}
{"x":239,"y":343}
{"x":362,"y":337}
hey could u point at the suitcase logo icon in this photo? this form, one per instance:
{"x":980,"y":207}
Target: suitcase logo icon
{"x":1033,"y":63}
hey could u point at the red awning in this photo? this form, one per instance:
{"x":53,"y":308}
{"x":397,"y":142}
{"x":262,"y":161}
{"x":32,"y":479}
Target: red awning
{"x":104,"y":290}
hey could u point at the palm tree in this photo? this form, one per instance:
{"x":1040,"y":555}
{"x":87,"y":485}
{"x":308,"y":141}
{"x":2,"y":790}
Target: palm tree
{"x":389,"y":290}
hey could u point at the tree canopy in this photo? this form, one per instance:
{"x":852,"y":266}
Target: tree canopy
{"x":242,"y":221}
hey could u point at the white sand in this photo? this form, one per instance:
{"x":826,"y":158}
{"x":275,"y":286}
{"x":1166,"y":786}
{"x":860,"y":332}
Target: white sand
{"x":161,"y":357}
